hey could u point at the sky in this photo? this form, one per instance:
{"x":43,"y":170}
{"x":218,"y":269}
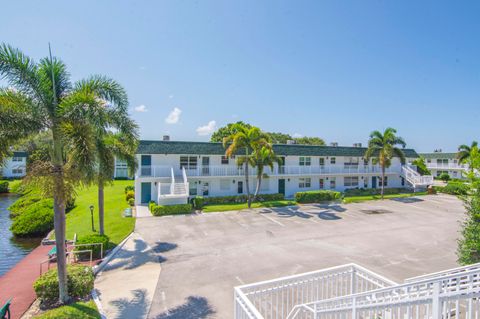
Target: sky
{"x":333,"y":69}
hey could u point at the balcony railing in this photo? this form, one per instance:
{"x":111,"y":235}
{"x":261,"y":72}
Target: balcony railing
{"x":446,"y":166}
{"x":205,"y":171}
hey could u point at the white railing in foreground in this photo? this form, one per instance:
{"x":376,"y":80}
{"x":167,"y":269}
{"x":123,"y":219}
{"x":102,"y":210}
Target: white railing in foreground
{"x":414,"y":178}
{"x":279,"y":297}
{"x":444,"y":272}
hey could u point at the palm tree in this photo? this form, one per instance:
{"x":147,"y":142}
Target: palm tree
{"x":247,"y":140}
{"x":260,"y":158}
{"x":465,"y":152}
{"x":382,"y":148}
{"x":41,"y":98}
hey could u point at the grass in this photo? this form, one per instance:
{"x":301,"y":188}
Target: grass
{"x":358,"y":199}
{"x":13,"y":184}
{"x":239,"y":206}
{"x":77,"y":310}
{"x":117,"y":227}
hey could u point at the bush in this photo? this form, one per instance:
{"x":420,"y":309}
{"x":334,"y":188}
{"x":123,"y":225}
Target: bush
{"x":160,"y":210}
{"x":317,"y":196}
{"x":372,"y":191}
{"x":198,"y":202}
{"x":79,"y":280}
{"x":36,"y":220}
{"x":129,"y":188}
{"x":130,"y":194}
{"x":241,"y":199}
{"x":131,"y":202}
{"x":4,"y":187}
{"x":151,"y":204}
{"x":70,"y":204}
{"x":96,"y":250}
{"x":455,"y":189}
{"x":23,"y":203}
{"x":444,"y":177}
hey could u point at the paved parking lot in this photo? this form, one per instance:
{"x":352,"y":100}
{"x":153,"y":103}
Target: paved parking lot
{"x":204,"y":256}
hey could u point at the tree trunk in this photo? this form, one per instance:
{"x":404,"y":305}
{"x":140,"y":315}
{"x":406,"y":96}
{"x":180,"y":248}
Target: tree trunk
{"x":259,"y":182}
{"x":59,"y":218}
{"x":383,"y":180}
{"x":101,"y":207}
{"x":249,"y":200}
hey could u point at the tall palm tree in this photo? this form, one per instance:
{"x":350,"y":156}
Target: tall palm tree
{"x":382,"y":148}
{"x":245,"y":140}
{"x":260,"y":159}
{"x":41,"y":98}
{"x":465,"y":152}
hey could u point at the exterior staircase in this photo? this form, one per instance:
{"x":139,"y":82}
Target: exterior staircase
{"x":414,"y":179}
{"x":175,"y":192}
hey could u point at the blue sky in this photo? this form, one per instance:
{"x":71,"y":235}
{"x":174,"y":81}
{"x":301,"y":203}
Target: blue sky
{"x":334,"y":69}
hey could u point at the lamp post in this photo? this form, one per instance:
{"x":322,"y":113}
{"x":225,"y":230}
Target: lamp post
{"x":91,"y":215}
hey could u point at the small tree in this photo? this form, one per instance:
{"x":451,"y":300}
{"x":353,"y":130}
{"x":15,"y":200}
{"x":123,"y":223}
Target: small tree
{"x":444,"y":177}
{"x":421,"y":166}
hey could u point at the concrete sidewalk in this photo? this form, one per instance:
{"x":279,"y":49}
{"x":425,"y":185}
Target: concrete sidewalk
{"x":127,"y":283}
{"x":142,"y":211}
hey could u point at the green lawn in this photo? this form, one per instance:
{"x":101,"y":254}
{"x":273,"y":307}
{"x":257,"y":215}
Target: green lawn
{"x":77,"y":310}
{"x":239,"y":206}
{"x":117,"y":227}
{"x":12,"y":184}
{"x":358,"y":199}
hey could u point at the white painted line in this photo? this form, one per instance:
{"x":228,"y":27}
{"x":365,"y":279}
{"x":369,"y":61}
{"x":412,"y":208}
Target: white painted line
{"x":96,"y":299}
{"x":273,"y":220}
{"x":239,"y":280}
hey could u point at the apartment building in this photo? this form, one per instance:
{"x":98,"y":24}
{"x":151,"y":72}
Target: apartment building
{"x":15,"y":166}
{"x":439,"y":163}
{"x":171,"y":171}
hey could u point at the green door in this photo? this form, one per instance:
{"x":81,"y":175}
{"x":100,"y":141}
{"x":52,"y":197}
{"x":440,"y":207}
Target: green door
{"x":281,"y":186}
{"x":374,"y":181}
{"x":146,"y":195}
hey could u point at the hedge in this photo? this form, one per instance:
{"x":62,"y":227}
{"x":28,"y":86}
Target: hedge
{"x":453,"y":189}
{"x":4,"y":187}
{"x":241,"y":199}
{"x":79,"y":280}
{"x":198,"y":202}
{"x":372,"y":191}
{"x":23,"y":203}
{"x":96,"y":249}
{"x":161,"y":210}
{"x":129,"y":194}
{"x":317,"y":196}
{"x":36,"y":220}
{"x":129,"y":188}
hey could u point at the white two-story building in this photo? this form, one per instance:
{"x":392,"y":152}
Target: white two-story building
{"x":439,"y":163}
{"x":171,"y":171}
{"x":15,"y":166}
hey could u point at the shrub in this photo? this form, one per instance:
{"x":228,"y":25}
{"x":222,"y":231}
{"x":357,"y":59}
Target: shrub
{"x":160,"y":210}
{"x":131,"y":202}
{"x":198,"y":202}
{"x":4,"y":187}
{"x":129,"y":188}
{"x":317,"y":196}
{"x":372,"y":191}
{"x":92,"y":239}
{"x":36,"y":220}
{"x":444,"y":177}
{"x":79,"y":280}
{"x":130,"y":194}
{"x":23,"y":203}
{"x":241,"y":199}
{"x":70,"y":204}
{"x":151,"y":204}
{"x":455,"y":189}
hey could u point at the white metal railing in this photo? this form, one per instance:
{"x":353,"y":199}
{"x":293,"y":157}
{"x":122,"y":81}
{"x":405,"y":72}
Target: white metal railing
{"x":446,"y":166}
{"x":172,"y":184}
{"x":280,"y":297}
{"x":184,"y":174}
{"x":227,"y":170}
{"x":444,"y":272}
{"x":414,"y":178}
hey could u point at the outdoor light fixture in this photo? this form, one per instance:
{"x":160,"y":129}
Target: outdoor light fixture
{"x":91,"y":215}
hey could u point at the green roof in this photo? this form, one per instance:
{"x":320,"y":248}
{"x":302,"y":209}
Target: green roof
{"x":436,"y":155}
{"x":208,"y":148}
{"x":19,"y":154}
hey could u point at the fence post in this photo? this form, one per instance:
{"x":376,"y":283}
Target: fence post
{"x":354,"y":307}
{"x":436,"y":305}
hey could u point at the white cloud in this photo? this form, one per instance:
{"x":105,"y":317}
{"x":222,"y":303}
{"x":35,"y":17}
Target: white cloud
{"x":174,"y":116}
{"x":170,"y":96}
{"x":297,"y":135}
{"x":141,"y":108}
{"x":207,"y":129}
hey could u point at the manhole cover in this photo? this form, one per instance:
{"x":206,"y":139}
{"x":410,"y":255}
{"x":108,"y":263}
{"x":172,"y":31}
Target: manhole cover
{"x":375,"y":211}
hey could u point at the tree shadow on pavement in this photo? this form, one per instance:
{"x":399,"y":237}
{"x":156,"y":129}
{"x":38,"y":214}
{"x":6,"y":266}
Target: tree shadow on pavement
{"x":195,"y":307}
{"x":286,"y":212}
{"x":135,"y":307}
{"x":408,"y":200}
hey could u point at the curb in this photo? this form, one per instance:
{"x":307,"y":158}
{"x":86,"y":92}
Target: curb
{"x":106,"y":260}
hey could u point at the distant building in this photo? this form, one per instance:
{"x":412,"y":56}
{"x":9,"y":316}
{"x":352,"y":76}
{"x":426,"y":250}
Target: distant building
{"x":15,"y":166}
{"x":439,"y":163}
{"x":121,"y":169}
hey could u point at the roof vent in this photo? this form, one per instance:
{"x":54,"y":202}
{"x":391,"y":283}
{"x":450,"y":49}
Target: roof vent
{"x":166,"y":138}
{"x":334,"y":144}
{"x":357,"y":144}
{"x":290,"y":142}
{"x":437,"y":150}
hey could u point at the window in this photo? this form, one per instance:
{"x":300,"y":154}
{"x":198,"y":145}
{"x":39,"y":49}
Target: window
{"x":224,"y":160}
{"x":333,"y":160}
{"x":350,"y":181}
{"x":333,"y":183}
{"x":17,"y":159}
{"x":265,"y":186}
{"x":454,"y":173}
{"x":321,"y":161}
{"x":429,"y":160}
{"x":380,"y":181}
{"x":189,"y":162}
{"x":17,"y":171}
{"x":225,"y":184}
{"x":322,"y":183}
{"x":205,"y":189}
{"x":442,"y":161}
{"x":441,"y":172}
{"x":192,"y":189}
{"x":304,"y":182}
{"x":351,"y":162}
{"x":305,"y":161}
{"x":240,"y":187}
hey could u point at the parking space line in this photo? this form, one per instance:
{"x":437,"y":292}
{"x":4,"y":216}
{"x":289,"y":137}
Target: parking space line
{"x":271,"y":219}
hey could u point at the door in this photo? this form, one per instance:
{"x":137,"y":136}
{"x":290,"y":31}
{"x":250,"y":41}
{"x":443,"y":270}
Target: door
{"x":281,"y":186}
{"x":146,"y":163}
{"x":205,"y":165}
{"x":146,"y":195}
{"x":281,"y":165}
{"x":240,"y":187}
{"x":374,"y":181}
{"x":205,"y":189}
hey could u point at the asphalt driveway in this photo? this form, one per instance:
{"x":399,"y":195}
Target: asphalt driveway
{"x":204,"y":256}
